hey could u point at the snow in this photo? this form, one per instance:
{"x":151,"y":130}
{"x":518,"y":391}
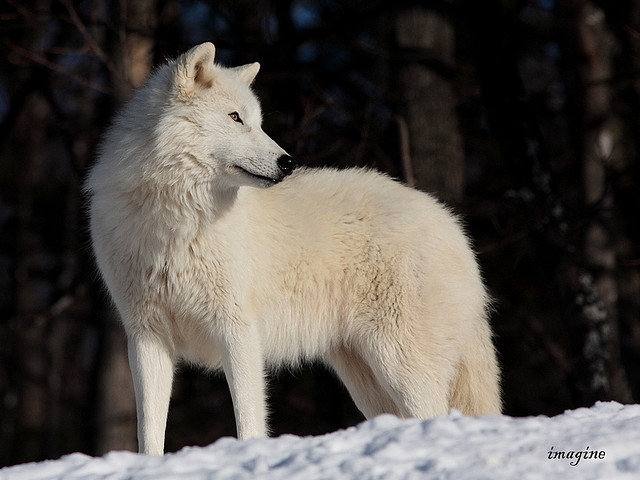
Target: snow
{"x":453,"y":446}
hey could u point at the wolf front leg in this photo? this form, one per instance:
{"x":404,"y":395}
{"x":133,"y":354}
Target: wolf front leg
{"x":151,"y":364}
{"x":243,"y":367}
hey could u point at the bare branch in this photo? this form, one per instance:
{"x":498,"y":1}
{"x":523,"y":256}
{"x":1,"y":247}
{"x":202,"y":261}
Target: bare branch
{"x":91,"y":42}
{"x":25,"y":13}
{"x":405,"y":152}
{"x":41,"y":60}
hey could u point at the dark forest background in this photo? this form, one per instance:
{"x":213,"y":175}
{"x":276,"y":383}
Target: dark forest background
{"x":522,"y":114}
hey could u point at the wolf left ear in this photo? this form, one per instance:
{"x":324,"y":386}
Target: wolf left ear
{"x":247,"y":73}
{"x":195,"y":69}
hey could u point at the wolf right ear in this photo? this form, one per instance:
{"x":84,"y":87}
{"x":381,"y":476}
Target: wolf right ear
{"x":194,"y":69}
{"x":247,"y":73}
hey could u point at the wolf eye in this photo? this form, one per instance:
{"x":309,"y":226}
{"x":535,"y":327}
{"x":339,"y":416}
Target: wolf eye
{"x":236,"y":117}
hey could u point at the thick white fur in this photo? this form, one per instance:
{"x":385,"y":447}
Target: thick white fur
{"x":348,"y":267}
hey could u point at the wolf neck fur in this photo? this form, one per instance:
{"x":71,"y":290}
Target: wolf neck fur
{"x":185,"y":206}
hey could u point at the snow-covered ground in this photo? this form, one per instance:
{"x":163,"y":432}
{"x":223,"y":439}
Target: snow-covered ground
{"x":602,"y":442}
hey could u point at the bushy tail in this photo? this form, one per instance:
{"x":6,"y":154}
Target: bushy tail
{"x":476,"y":388}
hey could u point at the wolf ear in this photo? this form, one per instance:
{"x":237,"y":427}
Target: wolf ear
{"x":247,"y":73}
{"x":195,"y":69}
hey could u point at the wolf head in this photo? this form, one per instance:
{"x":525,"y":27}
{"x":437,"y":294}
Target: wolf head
{"x":218,"y":105}
{"x":195,"y":126}
{"x":206,"y":120}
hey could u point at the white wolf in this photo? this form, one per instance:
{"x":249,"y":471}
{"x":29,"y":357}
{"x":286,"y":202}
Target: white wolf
{"x":206,"y":264}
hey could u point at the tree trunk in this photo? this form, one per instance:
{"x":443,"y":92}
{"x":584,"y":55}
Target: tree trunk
{"x":116,"y":408}
{"x":589,"y":49}
{"x":136,"y":41}
{"x":426,"y":43}
{"x":628,"y":247}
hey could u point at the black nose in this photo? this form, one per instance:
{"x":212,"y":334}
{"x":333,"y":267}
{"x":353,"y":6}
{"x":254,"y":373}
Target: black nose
{"x":287,"y":164}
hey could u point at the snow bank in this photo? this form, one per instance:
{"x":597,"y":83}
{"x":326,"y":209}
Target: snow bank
{"x":600,"y":442}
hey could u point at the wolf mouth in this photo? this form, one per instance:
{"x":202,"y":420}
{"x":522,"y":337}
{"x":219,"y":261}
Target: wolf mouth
{"x":255,"y":175}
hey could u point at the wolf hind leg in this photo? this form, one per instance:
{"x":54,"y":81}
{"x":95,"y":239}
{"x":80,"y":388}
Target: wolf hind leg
{"x":365,"y":390}
{"x":416,"y":379}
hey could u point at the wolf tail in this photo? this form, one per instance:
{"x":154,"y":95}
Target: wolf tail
{"x":476,"y":387}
